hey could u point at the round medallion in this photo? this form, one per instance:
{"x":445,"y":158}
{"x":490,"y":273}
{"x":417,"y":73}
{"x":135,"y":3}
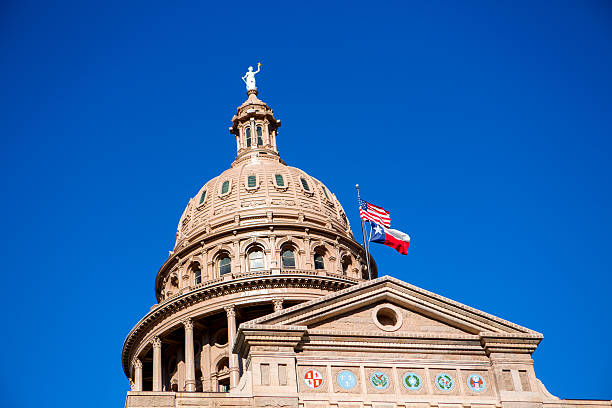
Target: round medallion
{"x":313,"y":379}
{"x":476,"y":383}
{"x":412,"y":381}
{"x":445,"y":382}
{"x":346,"y":379}
{"x":379,"y":380}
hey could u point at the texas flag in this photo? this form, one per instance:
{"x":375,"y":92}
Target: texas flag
{"x":390,"y":237}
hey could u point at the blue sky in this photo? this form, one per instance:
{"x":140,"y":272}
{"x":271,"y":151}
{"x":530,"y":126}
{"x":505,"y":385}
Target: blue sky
{"x":484,"y":127}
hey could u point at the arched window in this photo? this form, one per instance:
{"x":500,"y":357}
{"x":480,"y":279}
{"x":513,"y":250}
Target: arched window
{"x":203,"y":197}
{"x":225,"y":264}
{"x":225,"y":187}
{"x":319,"y":263}
{"x":346,"y":263}
{"x":197,"y":275}
{"x":288,"y":258}
{"x":252,"y":181}
{"x":279,"y":180}
{"x":256,"y":261}
{"x":248,"y":136}
{"x":304,"y":184}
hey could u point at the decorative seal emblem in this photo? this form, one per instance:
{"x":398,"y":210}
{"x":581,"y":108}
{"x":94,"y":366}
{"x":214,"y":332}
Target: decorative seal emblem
{"x":445,"y":382}
{"x":412,"y":381}
{"x":476,"y":383}
{"x":313,"y":379}
{"x":346,"y":379}
{"x":379,"y":380}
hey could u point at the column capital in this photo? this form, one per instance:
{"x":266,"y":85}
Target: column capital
{"x":156,"y":342}
{"x":188,"y":323}
{"x":230,"y":310}
{"x":137,"y":363}
{"x":278,"y":304}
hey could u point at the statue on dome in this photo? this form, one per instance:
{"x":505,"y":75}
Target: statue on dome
{"x":249,"y":77}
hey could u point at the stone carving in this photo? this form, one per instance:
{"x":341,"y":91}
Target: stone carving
{"x":156,"y":342}
{"x":230,"y":310}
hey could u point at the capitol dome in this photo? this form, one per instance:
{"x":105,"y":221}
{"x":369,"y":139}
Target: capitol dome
{"x":260,"y":237}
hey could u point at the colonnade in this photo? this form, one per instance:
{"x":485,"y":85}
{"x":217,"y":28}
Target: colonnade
{"x":190,"y":380}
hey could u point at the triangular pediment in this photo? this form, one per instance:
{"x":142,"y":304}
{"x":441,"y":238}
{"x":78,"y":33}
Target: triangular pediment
{"x":384,"y":303}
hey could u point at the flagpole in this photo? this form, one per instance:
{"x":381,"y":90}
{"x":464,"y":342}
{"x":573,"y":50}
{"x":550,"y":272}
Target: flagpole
{"x":365,"y":245}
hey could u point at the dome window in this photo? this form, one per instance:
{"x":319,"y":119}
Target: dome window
{"x":259,"y":136}
{"x":225,"y":187}
{"x":252,"y":181}
{"x":288,"y":258}
{"x":225,"y":265}
{"x":305,"y":184}
{"x":325,"y":192}
{"x":280,"y":182}
{"x":248,"y":136}
{"x":203,"y":196}
{"x":346,"y":263}
{"x":319,"y":263}
{"x":256,"y":261}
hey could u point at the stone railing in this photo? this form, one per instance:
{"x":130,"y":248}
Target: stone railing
{"x":241,"y":275}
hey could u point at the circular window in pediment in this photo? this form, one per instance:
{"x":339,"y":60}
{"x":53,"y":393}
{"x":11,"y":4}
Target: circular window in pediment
{"x":387,"y":317}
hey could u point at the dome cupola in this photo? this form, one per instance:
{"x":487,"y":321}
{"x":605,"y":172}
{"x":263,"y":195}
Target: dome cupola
{"x":255,"y":127}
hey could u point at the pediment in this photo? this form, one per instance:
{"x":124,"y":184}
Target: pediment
{"x":420,"y":312}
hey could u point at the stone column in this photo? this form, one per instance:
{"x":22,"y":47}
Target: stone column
{"x":205,"y":362}
{"x":231,"y":336}
{"x":157,"y":364}
{"x":137,"y":375}
{"x":278,"y":304}
{"x":190,"y":383}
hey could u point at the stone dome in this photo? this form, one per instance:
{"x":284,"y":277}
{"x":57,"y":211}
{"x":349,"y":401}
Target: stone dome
{"x":259,"y":185}
{"x":259,"y":237}
{"x":260,"y":188}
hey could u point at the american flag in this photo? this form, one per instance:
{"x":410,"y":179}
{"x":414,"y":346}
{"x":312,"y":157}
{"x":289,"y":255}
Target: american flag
{"x":374,"y":213}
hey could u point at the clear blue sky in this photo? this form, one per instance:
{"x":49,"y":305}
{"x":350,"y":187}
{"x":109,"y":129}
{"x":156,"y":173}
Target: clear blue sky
{"x":484,"y":127}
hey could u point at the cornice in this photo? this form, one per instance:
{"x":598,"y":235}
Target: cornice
{"x":220,"y":288}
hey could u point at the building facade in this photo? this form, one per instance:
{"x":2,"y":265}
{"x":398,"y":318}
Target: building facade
{"x":265,"y":301}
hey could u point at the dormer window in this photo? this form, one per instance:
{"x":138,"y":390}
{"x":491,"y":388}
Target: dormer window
{"x":203,"y":197}
{"x":248,"y":136}
{"x":325,"y":192}
{"x":225,"y":187}
{"x":259,"y":136}
{"x":252,"y":181}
